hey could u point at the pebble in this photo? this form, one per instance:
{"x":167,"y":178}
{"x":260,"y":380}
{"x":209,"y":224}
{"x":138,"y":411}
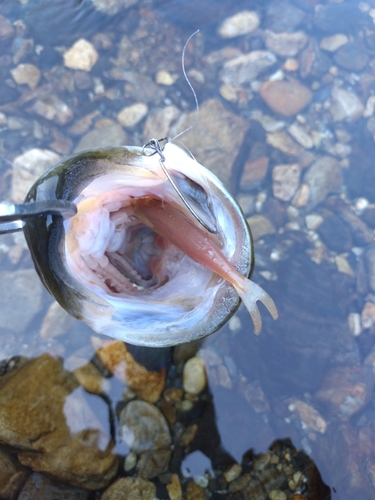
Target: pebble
{"x":260,"y":226}
{"x":232,"y":472}
{"x":215,"y":139}
{"x":159,"y":122}
{"x":130,"y":488}
{"x":146,"y":385}
{"x":27,"y":168}
{"x":285,"y":44}
{"x":174,"y":488}
{"x":334,"y":42}
{"x":286,"y":97}
{"x":323,"y":177}
{"x":130,"y":116}
{"x":368,"y":315}
{"x":165,"y":78}
{"x":345,"y":105}
{"x":12,"y":475}
{"x":52,"y":108}
{"x":195,"y":492}
{"x":285,"y":181}
{"x":290,"y":65}
{"x":19,"y":287}
{"x":354,"y":323}
{"x":246,"y":67}
{"x":302,"y":137}
{"x":39,"y":487}
{"x":90,"y":378}
{"x":228,"y":92}
{"x":108,"y":134}
{"x":310,"y":418}
{"x":336,"y":233}
{"x":313,"y":221}
{"x":346,"y":390}
{"x":82,"y":55}
{"x":277,"y":495}
{"x":6,"y":28}
{"x":61,"y":436}
{"x":283,"y":142}
{"x":194,"y":378}
{"x":242,"y":23}
{"x":26,"y":74}
{"x":351,"y":56}
{"x":254,"y":173}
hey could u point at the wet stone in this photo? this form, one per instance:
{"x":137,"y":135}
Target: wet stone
{"x":345,"y":105}
{"x":323,"y":177}
{"x":82,"y":55}
{"x":6,"y":28}
{"x":285,"y":97}
{"x":242,"y":23}
{"x":254,"y":173}
{"x":310,"y":418}
{"x":130,"y":488}
{"x":12,"y":476}
{"x":144,"y":429}
{"x":260,"y":226}
{"x":246,"y":67}
{"x":26,"y":290}
{"x":130,"y":116}
{"x":285,"y":44}
{"x":346,"y":390}
{"x":283,"y":142}
{"x":27,"y":168}
{"x":334,"y":42}
{"x":53,"y":109}
{"x":285,"y":181}
{"x":336,"y":233}
{"x":159,"y":122}
{"x":108,"y":135}
{"x":174,"y":488}
{"x":26,"y":74}
{"x":195,"y":492}
{"x":39,"y":487}
{"x":351,"y":56}
{"x":194,"y":377}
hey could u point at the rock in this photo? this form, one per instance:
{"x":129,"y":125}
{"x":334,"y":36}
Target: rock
{"x":91,"y":379}
{"x":260,"y":226}
{"x":302,"y":137}
{"x":146,"y":385}
{"x":285,"y":44}
{"x":323,"y":177}
{"x":195,"y":492}
{"x":6,"y":28}
{"x":174,"y":488}
{"x":285,"y":97}
{"x":313,"y":61}
{"x":107,"y":134}
{"x":194,"y":377}
{"x":336,"y":233}
{"x":345,"y":105}
{"x":112,"y":7}
{"x":232,"y":472}
{"x":139,"y":88}
{"x":351,"y":56}
{"x":27,"y":168}
{"x":61,"y":435}
{"x":144,"y":429}
{"x":12,"y":476}
{"x":26,"y":74}
{"x":310,"y":418}
{"x":81,"y":55}
{"x":130,"y":488}
{"x":52,"y":108}
{"x":242,"y":23}
{"x":165,"y":78}
{"x":246,"y":67}
{"x":283,"y":142}
{"x":334,"y":42}
{"x":39,"y":487}
{"x":19,"y":287}
{"x":285,"y":181}
{"x":159,"y":122}
{"x":215,"y":139}
{"x":254,"y":172}
{"x":277,"y":495}
{"x":130,"y":116}
{"x":283,"y":16}
{"x":346,"y":390}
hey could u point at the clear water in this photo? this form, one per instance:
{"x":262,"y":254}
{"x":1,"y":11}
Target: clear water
{"x":313,"y":353}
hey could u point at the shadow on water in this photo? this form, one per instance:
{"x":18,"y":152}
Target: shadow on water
{"x":285,"y":415}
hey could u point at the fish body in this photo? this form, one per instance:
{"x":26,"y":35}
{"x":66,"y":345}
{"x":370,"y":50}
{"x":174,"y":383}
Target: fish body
{"x":112,"y":268}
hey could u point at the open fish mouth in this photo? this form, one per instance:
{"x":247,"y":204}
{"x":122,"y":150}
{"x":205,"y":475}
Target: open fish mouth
{"x":108,"y":267}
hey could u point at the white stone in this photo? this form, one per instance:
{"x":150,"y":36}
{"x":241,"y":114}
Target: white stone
{"x":194,"y":377}
{"x":27,"y":168}
{"x":242,"y":23}
{"x":313,"y":221}
{"x":165,"y":78}
{"x":345,"y":105}
{"x":81,"y":55}
{"x":334,"y":42}
{"x":130,"y":116}
{"x":26,"y":74}
{"x":285,"y":181}
{"x":302,"y":137}
{"x":246,"y":67}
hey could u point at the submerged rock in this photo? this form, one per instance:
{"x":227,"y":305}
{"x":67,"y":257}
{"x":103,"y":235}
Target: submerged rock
{"x":286,"y":97}
{"x":323,"y":177}
{"x":246,"y":67}
{"x":12,"y":476}
{"x":130,"y":488}
{"x":39,"y":487}
{"x":242,"y":23}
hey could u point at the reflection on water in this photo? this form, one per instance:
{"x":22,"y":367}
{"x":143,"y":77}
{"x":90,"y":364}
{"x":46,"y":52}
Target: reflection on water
{"x":287,"y":122}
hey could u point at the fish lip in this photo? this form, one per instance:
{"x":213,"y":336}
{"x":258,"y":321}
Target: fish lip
{"x":58,"y":183}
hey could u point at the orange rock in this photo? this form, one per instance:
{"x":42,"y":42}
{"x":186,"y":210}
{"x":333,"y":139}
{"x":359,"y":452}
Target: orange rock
{"x":145,"y":384}
{"x":286,"y":97}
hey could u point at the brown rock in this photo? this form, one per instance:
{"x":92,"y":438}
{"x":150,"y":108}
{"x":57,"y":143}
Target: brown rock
{"x":146,"y":385}
{"x":254,"y":172}
{"x":283,"y":142}
{"x":12,"y":476}
{"x":286,"y":97}
{"x":260,"y":226}
{"x":52,"y":108}
{"x":26,"y":74}
{"x":130,"y":488}
{"x":110,"y":134}
{"x":70,"y":447}
{"x":39,"y":487}
{"x":216,"y":138}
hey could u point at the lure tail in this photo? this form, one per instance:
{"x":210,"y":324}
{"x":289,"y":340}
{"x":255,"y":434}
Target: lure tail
{"x":250,"y":293}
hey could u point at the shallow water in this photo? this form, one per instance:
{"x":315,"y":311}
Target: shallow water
{"x":299,"y":159}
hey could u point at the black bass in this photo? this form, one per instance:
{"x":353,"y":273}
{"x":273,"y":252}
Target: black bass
{"x":133,"y":262}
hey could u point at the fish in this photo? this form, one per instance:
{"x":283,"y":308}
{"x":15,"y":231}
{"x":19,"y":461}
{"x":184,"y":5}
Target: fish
{"x":134,"y":263}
